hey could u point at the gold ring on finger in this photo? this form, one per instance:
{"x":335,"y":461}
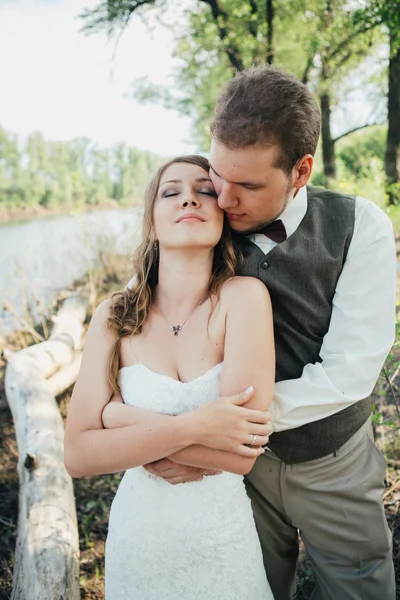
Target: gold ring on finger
{"x":254,"y":440}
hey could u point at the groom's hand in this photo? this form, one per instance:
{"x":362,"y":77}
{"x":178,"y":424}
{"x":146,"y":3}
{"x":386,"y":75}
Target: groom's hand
{"x":174,"y":473}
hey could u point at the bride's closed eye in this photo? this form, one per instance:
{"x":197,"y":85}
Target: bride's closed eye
{"x":172,"y":193}
{"x":169,"y":194}
{"x":208,"y":192}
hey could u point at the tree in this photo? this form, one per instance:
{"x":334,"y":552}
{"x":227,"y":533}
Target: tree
{"x":11,"y":191}
{"x":231,"y":19}
{"x":386,"y":14}
{"x":392,"y":154}
{"x":335,"y":47}
{"x":320,"y":46}
{"x":70,"y":174}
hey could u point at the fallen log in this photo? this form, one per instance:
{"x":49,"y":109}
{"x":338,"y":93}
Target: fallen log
{"x":46,"y":565}
{"x":64,"y":377}
{"x":66,"y":337}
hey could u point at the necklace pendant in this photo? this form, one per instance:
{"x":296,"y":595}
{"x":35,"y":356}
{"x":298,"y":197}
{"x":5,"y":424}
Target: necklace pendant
{"x":176,"y":329}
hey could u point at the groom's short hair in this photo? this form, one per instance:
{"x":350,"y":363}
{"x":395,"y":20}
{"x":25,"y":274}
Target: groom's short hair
{"x":264,"y":105}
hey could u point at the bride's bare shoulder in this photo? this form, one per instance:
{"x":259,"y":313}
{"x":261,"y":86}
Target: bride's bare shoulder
{"x":244,"y":289}
{"x":243,"y":285}
{"x":99,"y":323}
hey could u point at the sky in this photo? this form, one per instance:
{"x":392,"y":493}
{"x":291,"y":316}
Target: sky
{"x":57,"y":80}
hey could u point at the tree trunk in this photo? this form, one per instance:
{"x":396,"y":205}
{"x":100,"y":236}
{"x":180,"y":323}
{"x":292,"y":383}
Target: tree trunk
{"x":392,"y":155}
{"x":270,"y":31}
{"x":328,"y":144}
{"x":231,"y":49}
{"x":46,"y":562}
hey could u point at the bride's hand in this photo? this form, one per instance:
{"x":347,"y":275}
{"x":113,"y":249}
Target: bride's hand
{"x":175,"y":473}
{"x":227,"y":425}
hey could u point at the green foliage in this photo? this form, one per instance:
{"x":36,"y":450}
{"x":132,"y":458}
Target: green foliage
{"x":70,"y":174}
{"x":371,"y":186}
{"x":377,"y":13}
{"x":320,"y":42}
{"x":206,"y":60}
{"x":360,"y":165}
{"x":393,"y":193}
{"x":358,"y":150}
{"x":317,"y":41}
{"x":389,"y":374}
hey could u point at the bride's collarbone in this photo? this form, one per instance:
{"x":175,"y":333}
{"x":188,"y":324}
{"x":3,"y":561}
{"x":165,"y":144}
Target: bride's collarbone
{"x":183,"y":357}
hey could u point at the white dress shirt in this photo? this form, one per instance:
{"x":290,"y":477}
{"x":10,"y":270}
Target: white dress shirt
{"x":362,"y":326}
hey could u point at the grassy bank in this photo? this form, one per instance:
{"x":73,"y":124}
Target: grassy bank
{"x":94,"y":495}
{"x":17,"y":214}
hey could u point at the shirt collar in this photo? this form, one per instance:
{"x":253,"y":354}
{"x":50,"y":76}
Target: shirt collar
{"x":293,"y":214}
{"x":295,"y":211}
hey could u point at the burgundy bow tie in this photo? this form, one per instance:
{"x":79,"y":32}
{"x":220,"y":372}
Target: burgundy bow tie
{"x":275,"y":231}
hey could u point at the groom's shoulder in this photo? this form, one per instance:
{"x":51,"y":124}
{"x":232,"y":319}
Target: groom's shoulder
{"x":331,"y":210}
{"x":364,"y":211}
{"x":323,"y":194}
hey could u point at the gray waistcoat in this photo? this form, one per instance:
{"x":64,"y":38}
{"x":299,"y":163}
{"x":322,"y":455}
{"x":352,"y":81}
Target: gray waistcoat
{"x":301,"y":276}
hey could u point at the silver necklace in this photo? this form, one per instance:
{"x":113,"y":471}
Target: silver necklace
{"x":176,"y":328}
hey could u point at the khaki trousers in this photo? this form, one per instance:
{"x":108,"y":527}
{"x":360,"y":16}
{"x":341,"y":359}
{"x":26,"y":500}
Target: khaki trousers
{"x":335,"y":503}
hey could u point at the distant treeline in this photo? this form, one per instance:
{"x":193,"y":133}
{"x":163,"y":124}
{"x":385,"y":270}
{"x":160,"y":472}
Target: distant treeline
{"x":70,"y":173}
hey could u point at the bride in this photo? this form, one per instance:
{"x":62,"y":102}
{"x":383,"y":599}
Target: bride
{"x":178,"y":347}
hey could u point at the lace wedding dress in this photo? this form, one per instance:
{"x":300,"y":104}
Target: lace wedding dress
{"x":191,"y":541}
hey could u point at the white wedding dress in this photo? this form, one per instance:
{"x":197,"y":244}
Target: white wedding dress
{"x":191,"y":541}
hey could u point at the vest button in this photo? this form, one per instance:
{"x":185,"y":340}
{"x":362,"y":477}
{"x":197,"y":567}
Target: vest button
{"x":264,"y":265}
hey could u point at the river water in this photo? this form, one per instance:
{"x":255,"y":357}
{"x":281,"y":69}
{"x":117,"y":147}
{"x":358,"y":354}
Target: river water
{"x":42,"y":256}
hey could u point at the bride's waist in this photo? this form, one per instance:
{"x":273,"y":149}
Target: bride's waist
{"x":226,"y":482}
{"x":212,"y":503}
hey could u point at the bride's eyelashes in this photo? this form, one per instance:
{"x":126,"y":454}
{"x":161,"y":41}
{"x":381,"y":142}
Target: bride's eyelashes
{"x":205,"y":192}
{"x":209,"y":193}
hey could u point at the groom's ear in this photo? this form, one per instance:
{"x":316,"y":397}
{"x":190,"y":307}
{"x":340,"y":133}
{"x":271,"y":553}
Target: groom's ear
{"x":302,"y":171}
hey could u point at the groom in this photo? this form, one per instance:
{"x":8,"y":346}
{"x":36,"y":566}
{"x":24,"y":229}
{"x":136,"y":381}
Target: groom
{"x":328,"y":260}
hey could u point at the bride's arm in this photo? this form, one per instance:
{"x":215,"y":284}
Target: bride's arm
{"x":249,"y":359}
{"x":90,"y":449}
{"x":117,"y":414}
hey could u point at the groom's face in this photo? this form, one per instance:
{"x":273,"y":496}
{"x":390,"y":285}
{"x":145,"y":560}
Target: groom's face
{"x":251,"y":189}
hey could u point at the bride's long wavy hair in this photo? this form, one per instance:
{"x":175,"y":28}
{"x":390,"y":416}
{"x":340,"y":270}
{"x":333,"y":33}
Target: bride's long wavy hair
{"x":130,"y":308}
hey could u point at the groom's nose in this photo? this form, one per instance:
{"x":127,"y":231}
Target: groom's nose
{"x":227,"y":197}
